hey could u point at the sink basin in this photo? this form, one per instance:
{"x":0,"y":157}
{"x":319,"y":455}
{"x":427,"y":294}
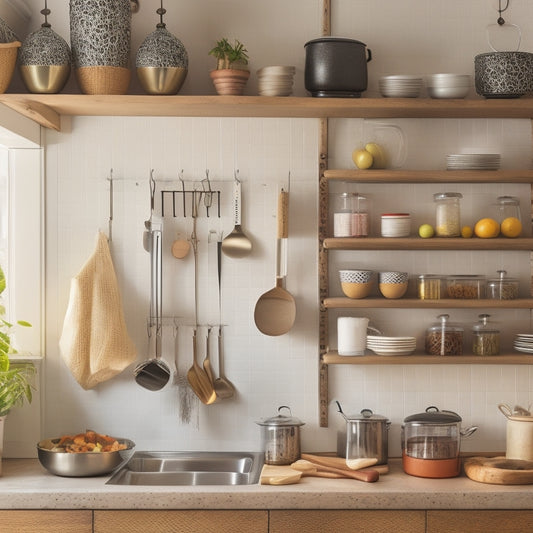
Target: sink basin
{"x":190,"y":468}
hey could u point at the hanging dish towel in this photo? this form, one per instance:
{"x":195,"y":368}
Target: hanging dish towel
{"x":94,"y":342}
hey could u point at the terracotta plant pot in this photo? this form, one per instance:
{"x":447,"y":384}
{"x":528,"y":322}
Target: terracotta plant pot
{"x":229,"y":81}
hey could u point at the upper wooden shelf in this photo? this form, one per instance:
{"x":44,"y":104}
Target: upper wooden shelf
{"x":342,"y":302}
{"x":46,"y":109}
{"x":430,"y":176}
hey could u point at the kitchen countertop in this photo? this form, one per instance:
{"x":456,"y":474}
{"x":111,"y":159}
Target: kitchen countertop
{"x":26,"y":485}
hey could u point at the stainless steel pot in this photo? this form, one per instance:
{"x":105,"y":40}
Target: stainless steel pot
{"x":336,"y":66}
{"x":365,"y":435}
{"x":280,"y":436}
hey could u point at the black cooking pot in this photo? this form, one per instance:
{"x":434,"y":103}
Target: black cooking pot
{"x":335,"y":66}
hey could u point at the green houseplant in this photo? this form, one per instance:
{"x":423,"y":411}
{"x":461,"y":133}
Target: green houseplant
{"x":231,"y":73}
{"x":15,"y":380}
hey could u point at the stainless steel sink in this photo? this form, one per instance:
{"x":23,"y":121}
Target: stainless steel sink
{"x":190,"y":468}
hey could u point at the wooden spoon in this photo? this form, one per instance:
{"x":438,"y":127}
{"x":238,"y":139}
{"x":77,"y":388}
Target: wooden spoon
{"x":198,"y":379}
{"x":369,"y":476}
{"x":275,"y":311}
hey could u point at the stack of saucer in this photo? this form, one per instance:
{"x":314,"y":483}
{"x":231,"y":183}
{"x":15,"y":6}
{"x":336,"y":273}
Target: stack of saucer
{"x":275,"y":81}
{"x":473,"y":161}
{"x":523,"y":342}
{"x":391,"y":345}
{"x":400,"y":86}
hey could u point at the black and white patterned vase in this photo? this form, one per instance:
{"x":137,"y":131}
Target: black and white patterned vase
{"x":44,"y":61}
{"x":7,"y":35}
{"x":100,"y":38}
{"x":162,"y":62}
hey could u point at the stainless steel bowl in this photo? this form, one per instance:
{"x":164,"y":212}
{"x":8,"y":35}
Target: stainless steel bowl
{"x":82,"y":464}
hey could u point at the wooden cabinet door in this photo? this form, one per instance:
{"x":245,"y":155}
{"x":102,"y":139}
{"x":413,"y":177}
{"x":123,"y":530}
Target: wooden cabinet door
{"x":52,"y":521}
{"x":191,"y":521}
{"x":479,"y":521}
{"x":347,"y":521}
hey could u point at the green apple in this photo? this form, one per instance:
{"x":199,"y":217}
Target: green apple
{"x":378,"y":153}
{"x":362,"y":158}
{"x":426,"y":231}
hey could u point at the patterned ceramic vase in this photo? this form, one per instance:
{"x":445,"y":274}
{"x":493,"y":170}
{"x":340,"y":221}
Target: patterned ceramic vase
{"x":162,"y":61}
{"x":45,"y":59}
{"x":100,"y":36}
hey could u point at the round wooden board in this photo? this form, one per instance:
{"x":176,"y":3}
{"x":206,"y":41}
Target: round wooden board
{"x":499,"y":470}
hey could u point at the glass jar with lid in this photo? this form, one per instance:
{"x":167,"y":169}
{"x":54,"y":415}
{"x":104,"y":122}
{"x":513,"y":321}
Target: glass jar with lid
{"x":502,"y":287}
{"x":506,"y":207}
{"x":486,"y":338}
{"x":360,"y":216}
{"x":447,"y":214}
{"x":342,"y":214}
{"x":444,"y":338}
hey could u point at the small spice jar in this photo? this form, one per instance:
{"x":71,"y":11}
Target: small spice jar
{"x":502,"y":287}
{"x":486,"y":339}
{"x":430,"y":286}
{"x":360,"y":217}
{"x":507,"y":206}
{"x":395,"y":224}
{"x":444,"y":338}
{"x":342,"y":214}
{"x":447,"y":214}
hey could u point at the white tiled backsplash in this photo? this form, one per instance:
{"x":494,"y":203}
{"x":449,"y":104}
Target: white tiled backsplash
{"x":272,"y":371}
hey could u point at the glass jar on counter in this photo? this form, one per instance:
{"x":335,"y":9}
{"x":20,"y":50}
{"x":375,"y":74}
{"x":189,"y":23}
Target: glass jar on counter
{"x":506,"y":207}
{"x":486,"y":339}
{"x":502,"y":287}
{"x":465,"y":287}
{"x":444,"y":338}
{"x":447,"y":214}
{"x":350,"y":215}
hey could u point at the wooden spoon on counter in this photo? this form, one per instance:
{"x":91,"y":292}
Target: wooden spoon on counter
{"x":369,"y":476}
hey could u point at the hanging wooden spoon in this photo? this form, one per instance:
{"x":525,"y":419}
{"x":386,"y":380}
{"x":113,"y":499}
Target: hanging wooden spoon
{"x":180,"y":247}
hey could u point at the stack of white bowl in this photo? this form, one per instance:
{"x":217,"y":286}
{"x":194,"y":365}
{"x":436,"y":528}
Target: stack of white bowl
{"x":448,"y":85}
{"x":391,"y":345}
{"x":275,"y":80}
{"x":401,"y":86}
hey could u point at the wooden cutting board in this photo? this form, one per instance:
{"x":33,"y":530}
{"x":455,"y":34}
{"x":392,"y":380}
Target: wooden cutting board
{"x":279,"y":475}
{"x":499,"y":470}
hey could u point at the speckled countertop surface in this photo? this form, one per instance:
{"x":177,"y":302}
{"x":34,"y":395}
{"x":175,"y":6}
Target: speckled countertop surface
{"x":26,"y":485}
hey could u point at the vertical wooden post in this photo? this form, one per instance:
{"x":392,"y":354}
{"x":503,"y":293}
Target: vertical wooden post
{"x":323,"y":196}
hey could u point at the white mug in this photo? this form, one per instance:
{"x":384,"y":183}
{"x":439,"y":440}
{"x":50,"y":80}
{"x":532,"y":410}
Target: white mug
{"x":351,"y":335}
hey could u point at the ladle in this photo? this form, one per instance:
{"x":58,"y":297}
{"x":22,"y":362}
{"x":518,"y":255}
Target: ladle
{"x":275,"y":311}
{"x":196,"y":375}
{"x":154,"y":373}
{"x":237,"y":244}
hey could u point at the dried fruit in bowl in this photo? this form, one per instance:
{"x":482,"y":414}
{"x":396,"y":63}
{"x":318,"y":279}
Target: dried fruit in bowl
{"x":90,"y":441}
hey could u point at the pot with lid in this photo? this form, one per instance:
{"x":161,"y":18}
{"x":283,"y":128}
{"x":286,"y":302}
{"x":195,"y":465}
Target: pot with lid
{"x":431,"y":443}
{"x":336,"y":67}
{"x":280,"y":436}
{"x":365,"y":436}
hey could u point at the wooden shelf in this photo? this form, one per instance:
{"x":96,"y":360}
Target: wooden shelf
{"x":46,"y":109}
{"x":342,"y":302}
{"x":435,"y":243}
{"x":333,"y":358}
{"x":430,"y":176}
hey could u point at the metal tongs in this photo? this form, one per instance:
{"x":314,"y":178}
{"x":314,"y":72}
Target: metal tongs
{"x":517,"y":411}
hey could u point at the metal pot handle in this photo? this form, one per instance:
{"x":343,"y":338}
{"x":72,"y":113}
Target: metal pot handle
{"x":368,"y":55}
{"x":468,"y":431}
{"x":505,"y":409}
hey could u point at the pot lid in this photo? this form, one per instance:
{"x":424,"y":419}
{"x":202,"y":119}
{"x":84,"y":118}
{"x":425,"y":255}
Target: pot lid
{"x":365,"y":415}
{"x":433,"y":415}
{"x":281,"y":420}
{"x":334,"y":40}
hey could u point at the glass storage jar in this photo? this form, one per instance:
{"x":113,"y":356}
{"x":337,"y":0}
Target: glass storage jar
{"x":342,"y":214}
{"x":486,"y":339}
{"x":444,"y":338}
{"x":430,"y":286}
{"x":447,"y":214}
{"x":465,"y":287}
{"x":502,"y":288}
{"x":360,"y":216}
{"x":507,"y":206}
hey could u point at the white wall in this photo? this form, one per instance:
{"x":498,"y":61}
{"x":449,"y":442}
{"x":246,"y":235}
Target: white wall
{"x":406,"y":37}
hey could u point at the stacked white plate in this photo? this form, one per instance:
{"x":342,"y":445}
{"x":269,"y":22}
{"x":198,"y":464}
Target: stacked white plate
{"x":523,"y":342}
{"x":473,"y":161}
{"x":391,"y":345}
{"x":400,"y":86}
{"x":275,"y":80}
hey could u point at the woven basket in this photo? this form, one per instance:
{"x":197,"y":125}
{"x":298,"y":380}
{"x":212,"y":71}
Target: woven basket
{"x":8,"y":60}
{"x":103,"y":80}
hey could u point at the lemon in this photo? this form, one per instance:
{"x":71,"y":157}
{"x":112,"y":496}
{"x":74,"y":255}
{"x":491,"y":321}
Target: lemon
{"x":378,"y":153}
{"x":362,"y":158}
{"x":426,"y":231}
{"x":511,"y":227}
{"x":487,"y":228}
{"x":467,"y":232}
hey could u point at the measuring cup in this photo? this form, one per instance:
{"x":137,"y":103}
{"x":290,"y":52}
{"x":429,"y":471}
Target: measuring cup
{"x":351,"y":335}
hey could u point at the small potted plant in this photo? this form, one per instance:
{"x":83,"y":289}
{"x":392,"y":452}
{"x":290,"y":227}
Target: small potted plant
{"x":232,"y":72}
{"x":15,"y":380}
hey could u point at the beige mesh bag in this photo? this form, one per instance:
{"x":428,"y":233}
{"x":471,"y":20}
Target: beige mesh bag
{"x":94,"y":343}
